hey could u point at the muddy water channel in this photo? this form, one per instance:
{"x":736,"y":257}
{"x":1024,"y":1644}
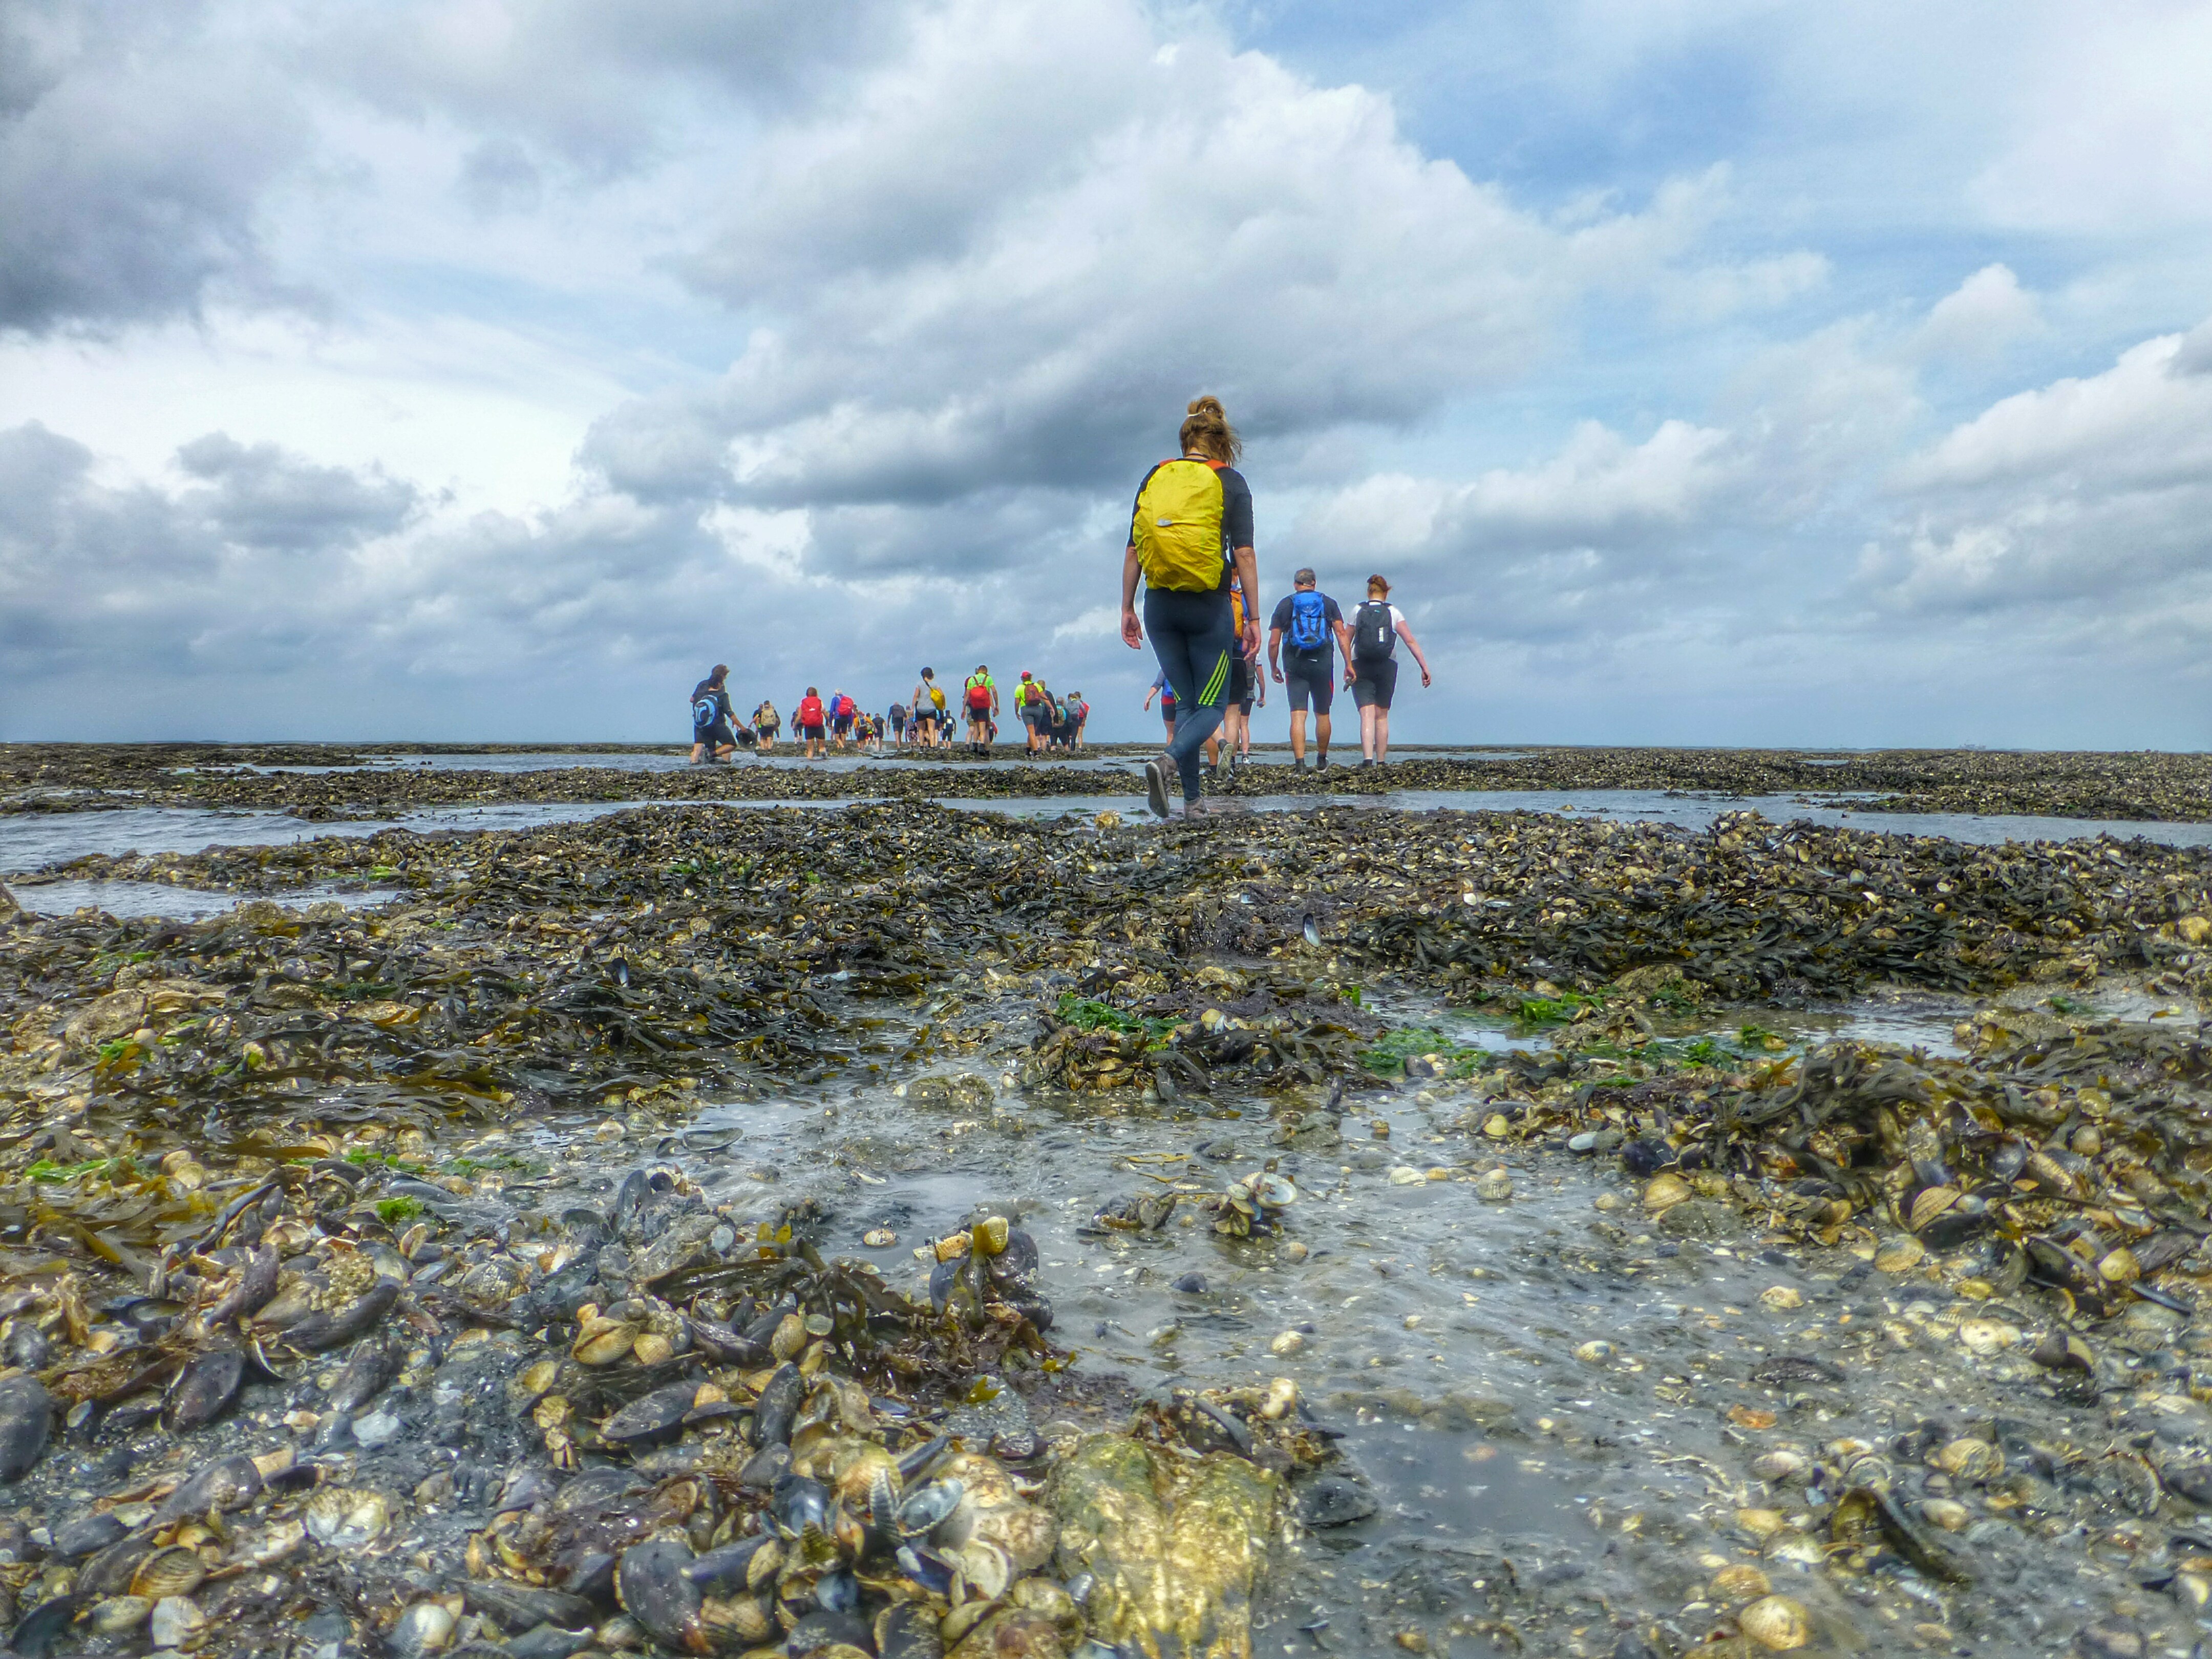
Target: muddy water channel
{"x":900,"y":1230}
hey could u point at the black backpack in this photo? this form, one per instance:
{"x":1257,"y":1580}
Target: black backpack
{"x":1373,"y":638}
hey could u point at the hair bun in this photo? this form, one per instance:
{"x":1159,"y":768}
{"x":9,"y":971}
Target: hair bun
{"x":1207,"y":406}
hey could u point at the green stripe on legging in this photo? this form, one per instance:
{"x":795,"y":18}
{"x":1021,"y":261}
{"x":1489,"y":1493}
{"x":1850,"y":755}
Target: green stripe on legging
{"x":1216,"y":684}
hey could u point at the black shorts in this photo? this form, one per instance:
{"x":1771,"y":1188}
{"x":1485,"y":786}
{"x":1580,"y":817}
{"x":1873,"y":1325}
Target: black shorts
{"x":1375,"y":684}
{"x":812,"y":734}
{"x":1310,"y":678}
{"x":717,"y":736}
{"x":1240,"y":682}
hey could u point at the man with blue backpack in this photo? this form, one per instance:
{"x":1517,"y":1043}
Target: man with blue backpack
{"x":1302,"y":638}
{"x":712,"y":737}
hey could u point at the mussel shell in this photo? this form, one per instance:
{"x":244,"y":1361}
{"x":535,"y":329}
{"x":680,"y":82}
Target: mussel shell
{"x":319,"y":1332}
{"x":943,"y":1279}
{"x":86,"y":1535}
{"x":368,"y":1367}
{"x":778,"y":1406}
{"x":656,"y":1416}
{"x":523,"y":1607}
{"x":35,"y":1631}
{"x":203,"y":1390}
{"x":907,"y":1629}
{"x":825,"y":1628}
{"x":27,"y":1419}
{"x":926,"y":1568}
{"x":649,"y":1582}
{"x":1017,"y":1261}
{"x":257,"y":1284}
{"x":723,"y":1345}
{"x":798,"y":1502}
{"x":527,"y":1486}
{"x":923,"y":1509}
{"x":110,"y":1572}
{"x":738,"y":1569}
{"x":230,"y":1482}
{"x":547,"y":1642}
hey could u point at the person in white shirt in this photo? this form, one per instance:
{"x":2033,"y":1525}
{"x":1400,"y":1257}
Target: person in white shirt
{"x":1370,"y":668}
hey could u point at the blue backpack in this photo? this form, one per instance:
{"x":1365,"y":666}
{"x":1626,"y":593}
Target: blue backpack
{"x":704,"y":713}
{"x":1309,"y":621}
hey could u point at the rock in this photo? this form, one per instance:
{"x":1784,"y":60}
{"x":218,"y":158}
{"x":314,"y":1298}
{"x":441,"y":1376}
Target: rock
{"x":1700,"y":1219}
{"x":1191,"y":1284}
{"x":1494,"y":1186}
{"x":1334,"y":1501}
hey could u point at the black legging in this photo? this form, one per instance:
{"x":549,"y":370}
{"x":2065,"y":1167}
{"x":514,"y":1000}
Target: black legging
{"x":1195,"y":637}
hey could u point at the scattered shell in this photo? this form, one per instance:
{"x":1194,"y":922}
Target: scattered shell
{"x":1984,"y":1337}
{"x":1777,"y":1622}
{"x":602,"y":1341}
{"x":176,"y":1622}
{"x":1663,"y":1192}
{"x":1900,"y":1256}
{"x":1739,"y":1583}
{"x":345,"y":1518}
{"x":1781,"y":1297}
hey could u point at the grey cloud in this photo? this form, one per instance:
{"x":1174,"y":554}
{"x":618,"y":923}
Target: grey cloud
{"x":132,"y":154}
{"x":260,"y":496}
{"x":499,"y":176}
{"x":608,"y":89}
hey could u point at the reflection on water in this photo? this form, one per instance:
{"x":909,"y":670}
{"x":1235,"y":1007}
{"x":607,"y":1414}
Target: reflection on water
{"x":156,"y":898}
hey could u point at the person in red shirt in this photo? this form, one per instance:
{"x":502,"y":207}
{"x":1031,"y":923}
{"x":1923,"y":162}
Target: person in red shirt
{"x":812,"y":718}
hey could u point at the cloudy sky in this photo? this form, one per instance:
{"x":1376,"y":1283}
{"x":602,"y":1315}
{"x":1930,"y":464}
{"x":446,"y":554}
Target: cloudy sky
{"x":1700,"y":370}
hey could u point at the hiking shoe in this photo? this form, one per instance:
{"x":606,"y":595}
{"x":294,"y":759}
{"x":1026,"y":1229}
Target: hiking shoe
{"x":1299,"y":764}
{"x":1197,"y":809}
{"x":1322,"y":763}
{"x":1156,"y":786}
{"x":1367,"y":766}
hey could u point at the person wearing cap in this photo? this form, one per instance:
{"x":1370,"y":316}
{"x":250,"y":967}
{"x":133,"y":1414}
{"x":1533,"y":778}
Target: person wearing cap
{"x":1370,"y":668}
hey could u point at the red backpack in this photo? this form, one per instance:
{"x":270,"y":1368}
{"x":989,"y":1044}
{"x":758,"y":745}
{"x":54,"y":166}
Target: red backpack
{"x":810,"y":711}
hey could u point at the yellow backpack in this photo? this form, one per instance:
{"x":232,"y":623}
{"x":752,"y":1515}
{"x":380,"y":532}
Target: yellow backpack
{"x":1177,"y":526}
{"x":937,"y":695}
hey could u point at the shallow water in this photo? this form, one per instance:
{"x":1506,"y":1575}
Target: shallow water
{"x":37,"y":841}
{"x":156,"y":898}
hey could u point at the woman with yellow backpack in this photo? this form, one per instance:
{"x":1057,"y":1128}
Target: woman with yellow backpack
{"x":1191,"y":529}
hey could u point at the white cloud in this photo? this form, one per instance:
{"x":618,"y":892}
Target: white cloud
{"x":1979,"y":319}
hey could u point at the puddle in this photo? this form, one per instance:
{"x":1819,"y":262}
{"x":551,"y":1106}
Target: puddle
{"x":155,"y":898}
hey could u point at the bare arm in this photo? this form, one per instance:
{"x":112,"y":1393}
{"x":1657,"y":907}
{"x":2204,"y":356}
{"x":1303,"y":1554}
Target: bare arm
{"x":1414,"y":645}
{"x":1132,"y":631}
{"x":1248,"y":572}
{"x":1275,"y":653}
{"x":1344,"y":640}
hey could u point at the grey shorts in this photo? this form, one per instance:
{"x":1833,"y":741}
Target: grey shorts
{"x":1375,"y":684}
{"x":1309,"y":679}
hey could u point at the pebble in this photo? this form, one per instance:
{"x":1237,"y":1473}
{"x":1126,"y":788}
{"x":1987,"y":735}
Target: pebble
{"x":1288,"y":1343}
{"x":1494,"y":1186}
{"x":375,"y":1429}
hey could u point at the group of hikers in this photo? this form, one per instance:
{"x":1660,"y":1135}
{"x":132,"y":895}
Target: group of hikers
{"x":1049,"y":722}
{"x":927,"y":720}
{"x":1190,"y":546}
